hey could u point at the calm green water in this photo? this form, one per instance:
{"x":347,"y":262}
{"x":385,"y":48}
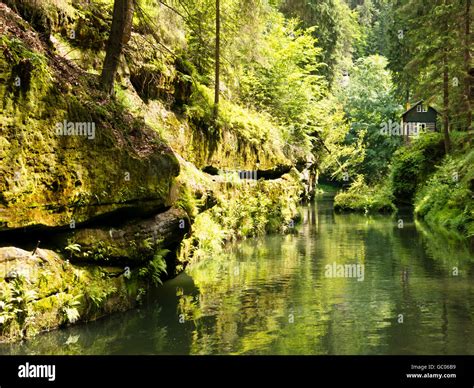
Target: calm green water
{"x":271,"y":296}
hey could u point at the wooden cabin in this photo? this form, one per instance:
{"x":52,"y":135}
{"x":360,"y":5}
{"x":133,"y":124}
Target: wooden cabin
{"x":419,"y":118}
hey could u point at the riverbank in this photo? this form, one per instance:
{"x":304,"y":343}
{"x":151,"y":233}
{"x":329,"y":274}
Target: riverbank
{"x":270,"y":296}
{"x":439,"y":187}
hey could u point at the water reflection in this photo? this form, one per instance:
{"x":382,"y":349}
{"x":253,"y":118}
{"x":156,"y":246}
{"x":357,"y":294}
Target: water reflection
{"x":271,"y":296}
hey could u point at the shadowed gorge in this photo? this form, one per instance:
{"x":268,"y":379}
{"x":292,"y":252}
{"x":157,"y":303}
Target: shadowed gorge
{"x":230,"y":177}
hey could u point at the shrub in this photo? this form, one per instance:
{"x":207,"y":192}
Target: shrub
{"x":411,"y":165}
{"x":447,"y":198}
{"x":361,"y":197}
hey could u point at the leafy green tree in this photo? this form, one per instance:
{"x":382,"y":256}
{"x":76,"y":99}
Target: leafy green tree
{"x":335,"y":157}
{"x":429,"y":54}
{"x":370,"y":106}
{"x":283,"y":81}
{"x":335,"y":29}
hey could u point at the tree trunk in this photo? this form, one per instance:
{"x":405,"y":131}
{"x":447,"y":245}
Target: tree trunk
{"x":216,"y":88}
{"x":119,"y":36}
{"x":407,"y":137}
{"x":467,"y":62}
{"x":447,"y":142}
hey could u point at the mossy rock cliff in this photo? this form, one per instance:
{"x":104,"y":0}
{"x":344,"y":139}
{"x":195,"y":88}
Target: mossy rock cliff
{"x":110,"y":161}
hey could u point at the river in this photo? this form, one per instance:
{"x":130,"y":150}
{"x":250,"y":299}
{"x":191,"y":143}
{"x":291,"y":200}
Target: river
{"x":413,"y":294}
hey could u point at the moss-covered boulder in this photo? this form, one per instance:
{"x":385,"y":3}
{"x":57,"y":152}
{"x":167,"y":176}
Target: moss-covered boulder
{"x":134,"y":242}
{"x":41,"y":291}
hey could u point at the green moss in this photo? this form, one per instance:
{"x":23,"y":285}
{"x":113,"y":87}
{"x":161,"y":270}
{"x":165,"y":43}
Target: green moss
{"x":240,"y":135}
{"x":26,"y":74}
{"x":72,"y":177}
{"x":45,"y":292}
{"x":91,"y":26}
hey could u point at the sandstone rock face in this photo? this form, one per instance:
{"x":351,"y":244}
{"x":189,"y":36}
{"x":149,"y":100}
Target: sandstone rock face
{"x":72,"y":180}
{"x":134,"y":242}
{"x":66,"y":154}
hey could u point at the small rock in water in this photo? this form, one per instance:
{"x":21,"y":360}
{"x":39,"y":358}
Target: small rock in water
{"x":72,"y":339}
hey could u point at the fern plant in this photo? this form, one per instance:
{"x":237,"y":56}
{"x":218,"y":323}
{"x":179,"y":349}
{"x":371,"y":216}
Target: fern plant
{"x":69,"y":307}
{"x":14,"y":303}
{"x":72,"y":248}
{"x":155,"y":267}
